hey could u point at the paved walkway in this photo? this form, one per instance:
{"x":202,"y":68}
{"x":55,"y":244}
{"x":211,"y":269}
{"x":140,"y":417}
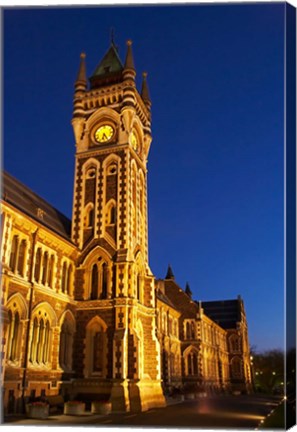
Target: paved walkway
{"x":60,"y":419}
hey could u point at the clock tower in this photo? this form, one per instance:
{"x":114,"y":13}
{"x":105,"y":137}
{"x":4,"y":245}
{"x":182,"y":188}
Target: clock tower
{"x":116,"y":351}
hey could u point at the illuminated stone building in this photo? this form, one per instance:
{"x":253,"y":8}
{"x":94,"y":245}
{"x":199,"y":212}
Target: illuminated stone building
{"x":83,"y":314}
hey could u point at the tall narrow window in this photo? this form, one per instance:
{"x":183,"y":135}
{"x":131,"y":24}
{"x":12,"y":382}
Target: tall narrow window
{"x":66,"y":343}
{"x":21,"y":257}
{"x":64,"y":272}
{"x":104,"y":281}
{"x":69,"y":279}
{"x":13,"y":253}
{"x":34,"y":340}
{"x":51,"y":271}
{"x":112,"y":215}
{"x":138,"y":287}
{"x":37,"y":265}
{"x":13,"y":335}
{"x":40,"y":342}
{"x":98,"y":353}
{"x":89,"y":216}
{"x":188,"y":330}
{"x":94,"y":282}
{"x":44,"y":268}
{"x":45,"y":350}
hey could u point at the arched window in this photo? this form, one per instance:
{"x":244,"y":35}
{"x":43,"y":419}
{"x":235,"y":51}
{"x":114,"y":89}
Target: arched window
{"x":40,"y":341}
{"x":37,"y":265}
{"x":94,"y":282}
{"x":96,"y":343}
{"x":89,"y":216}
{"x":112,"y":215}
{"x":236,"y":367}
{"x":21,"y":257}
{"x":104,"y":281}
{"x":13,"y":335}
{"x":13,"y":253}
{"x":192,"y":363}
{"x":66,"y":344}
{"x":99,"y":280}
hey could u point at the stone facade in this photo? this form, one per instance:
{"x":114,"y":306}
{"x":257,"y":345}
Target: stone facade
{"x":83,"y":315}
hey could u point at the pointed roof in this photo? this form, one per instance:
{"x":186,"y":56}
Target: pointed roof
{"x":145,"y":94}
{"x":81,"y":76}
{"x":169,"y":274}
{"x":188,"y":290}
{"x":129,"y":62}
{"x":111,"y":63}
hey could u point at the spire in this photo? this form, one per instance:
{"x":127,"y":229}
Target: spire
{"x":144,"y":90}
{"x":169,"y":274}
{"x":109,"y":69}
{"x":188,"y":290}
{"x":81,"y":80}
{"x":129,"y":62}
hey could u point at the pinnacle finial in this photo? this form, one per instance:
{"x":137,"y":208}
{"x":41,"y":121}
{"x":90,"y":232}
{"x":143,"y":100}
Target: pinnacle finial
{"x":145,"y":94}
{"x":169,"y":274}
{"x":188,"y":290}
{"x":129,"y":62}
{"x":81,"y":79}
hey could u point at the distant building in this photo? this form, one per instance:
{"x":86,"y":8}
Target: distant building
{"x":83,"y":316}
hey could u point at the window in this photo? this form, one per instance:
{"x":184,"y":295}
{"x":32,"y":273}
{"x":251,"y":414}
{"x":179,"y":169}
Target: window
{"x":89,"y":216}
{"x":51,"y":271}
{"x":94,"y":282}
{"x":37,"y":265}
{"x":44,"y":268}
{"x":13,"y":335}
{"x":69,"y":280}
{"x":96,"y":348}
{"x":192,"y":363}
{"x":13,"y":254}
{"x":18,"y":255}
{"x":190,"y":330}
{"x":99,"y":280}
{"x":66,"y":343}
{"x":236,"y":367}
{"x":21,"y":257}
{"x":112,"y":215}
{"x":112,"y":169}
{"x":40,"y":340}
{"x":64,"y":272}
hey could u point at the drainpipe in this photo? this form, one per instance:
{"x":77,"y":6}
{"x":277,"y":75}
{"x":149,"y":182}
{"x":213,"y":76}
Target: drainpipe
{"x":27,"y":340}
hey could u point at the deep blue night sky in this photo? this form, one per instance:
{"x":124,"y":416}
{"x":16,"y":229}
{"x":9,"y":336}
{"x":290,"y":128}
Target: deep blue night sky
{"x":215,"y":170}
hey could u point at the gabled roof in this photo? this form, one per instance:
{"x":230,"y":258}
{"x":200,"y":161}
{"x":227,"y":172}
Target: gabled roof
{"x":226,"y":313}
{"x":163,"y":297}
{"x":22,"y":198}
{"x":180,"y":299}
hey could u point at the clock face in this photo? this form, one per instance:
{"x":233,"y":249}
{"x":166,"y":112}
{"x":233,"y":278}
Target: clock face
{"x":134,"y":140}
{"x":104,"y":133}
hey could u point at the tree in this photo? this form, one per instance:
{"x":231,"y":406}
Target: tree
{"x":268,"y":370}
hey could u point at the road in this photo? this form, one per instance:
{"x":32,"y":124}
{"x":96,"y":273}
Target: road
{"x":208,"y":412}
